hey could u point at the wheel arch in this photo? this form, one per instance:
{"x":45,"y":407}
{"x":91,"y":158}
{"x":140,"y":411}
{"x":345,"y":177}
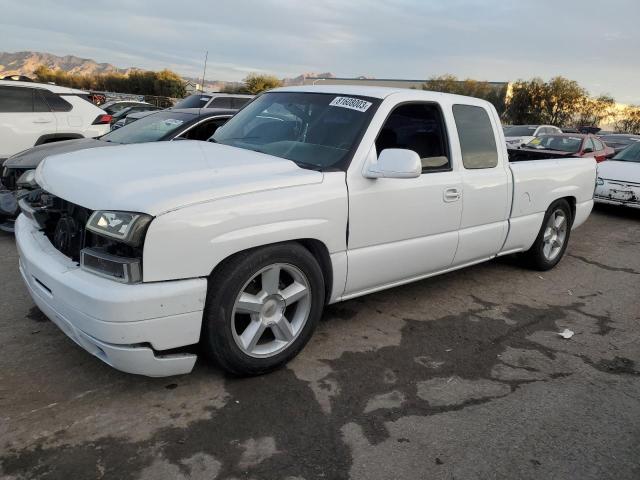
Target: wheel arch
{"x":316,"y":247}
{"x":57,"y":137}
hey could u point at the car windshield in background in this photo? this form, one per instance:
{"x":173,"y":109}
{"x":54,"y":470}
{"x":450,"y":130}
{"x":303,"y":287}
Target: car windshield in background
{"x":615,"y":141}
{"x":519,"y":131}
{"x":193,"y":101}
{"x":556,"y":142}
{"x":629,"y":154}
{"x":315,"y":130}
{"x":150,"y":128}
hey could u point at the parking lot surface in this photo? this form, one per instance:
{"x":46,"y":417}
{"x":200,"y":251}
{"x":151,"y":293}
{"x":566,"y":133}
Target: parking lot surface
{"x":458,"y":376}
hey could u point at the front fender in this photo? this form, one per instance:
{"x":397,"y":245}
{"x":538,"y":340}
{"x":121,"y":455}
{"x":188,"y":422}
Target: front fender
{"x":192,"y":241}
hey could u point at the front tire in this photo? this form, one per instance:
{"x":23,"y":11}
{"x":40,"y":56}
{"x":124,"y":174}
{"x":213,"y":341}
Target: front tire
{"x":262,"y":308}
{"x":553,"y":238}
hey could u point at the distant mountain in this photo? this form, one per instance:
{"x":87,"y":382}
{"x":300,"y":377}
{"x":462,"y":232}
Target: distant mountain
{"x":25,"y":63}
{"x":299,"y":80}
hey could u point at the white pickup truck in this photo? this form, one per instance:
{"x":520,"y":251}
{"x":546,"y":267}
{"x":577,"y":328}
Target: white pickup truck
{"x":308,"y":196}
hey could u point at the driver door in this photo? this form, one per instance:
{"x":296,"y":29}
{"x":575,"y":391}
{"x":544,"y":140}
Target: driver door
{"x":404,"y":229}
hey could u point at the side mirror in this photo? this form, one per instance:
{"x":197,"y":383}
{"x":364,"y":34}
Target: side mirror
{"x":395,"y":163}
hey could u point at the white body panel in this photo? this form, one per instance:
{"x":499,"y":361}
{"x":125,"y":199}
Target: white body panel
{"x":162,"y":176}
{"x":21,"y":130}
{"x":211,"y":201}
{"x":620,"y":183}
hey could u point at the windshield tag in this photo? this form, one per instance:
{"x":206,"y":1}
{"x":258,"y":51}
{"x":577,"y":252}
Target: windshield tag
{"x":173,"y":121}
{"x":351,"y":103}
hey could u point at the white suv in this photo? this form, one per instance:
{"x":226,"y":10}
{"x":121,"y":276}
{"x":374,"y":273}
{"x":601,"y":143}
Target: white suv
{"x":36,"y":113}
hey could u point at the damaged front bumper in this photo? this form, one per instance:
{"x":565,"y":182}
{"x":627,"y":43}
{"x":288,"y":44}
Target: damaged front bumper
{"x":134,"y":328}
{"x":9,"y":209}
{"x":618,"y":193}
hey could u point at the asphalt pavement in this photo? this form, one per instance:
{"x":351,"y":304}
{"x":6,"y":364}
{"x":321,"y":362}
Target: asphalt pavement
{"x":461,"y":376}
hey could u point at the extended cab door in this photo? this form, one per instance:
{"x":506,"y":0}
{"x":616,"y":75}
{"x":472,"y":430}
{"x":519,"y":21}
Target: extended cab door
{"x":24,"y":118}
{"x":403,"y":229}
{"x":486,"y":193}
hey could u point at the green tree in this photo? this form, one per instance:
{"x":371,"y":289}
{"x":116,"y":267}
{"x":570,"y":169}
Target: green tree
{"x":554,"y":102}
{"x":164,"y":83}
{"x":563,"y":98}
{"x":593,"y":111}
{"x":494,"y":93}
{"x":256,"y":83}
{"x":629,"y":120}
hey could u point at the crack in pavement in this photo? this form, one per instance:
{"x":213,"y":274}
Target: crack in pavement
{"x":604,"y":266}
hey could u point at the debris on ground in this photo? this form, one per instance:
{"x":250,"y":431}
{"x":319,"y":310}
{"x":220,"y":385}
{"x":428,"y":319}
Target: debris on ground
{"x":566,"y":333}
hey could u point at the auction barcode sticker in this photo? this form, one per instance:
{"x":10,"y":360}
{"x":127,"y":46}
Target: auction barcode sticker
{"x":352,"y":103}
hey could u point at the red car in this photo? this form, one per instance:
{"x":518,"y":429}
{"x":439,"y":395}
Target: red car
{"x":570,"y":144}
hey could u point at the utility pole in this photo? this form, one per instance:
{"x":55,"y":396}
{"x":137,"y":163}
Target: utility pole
{"x":204,"y":72}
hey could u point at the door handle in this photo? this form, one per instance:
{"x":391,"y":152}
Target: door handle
{"x":452,"y":194}
{"x":42,"y":120}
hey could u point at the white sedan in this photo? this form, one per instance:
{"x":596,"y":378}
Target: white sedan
{"x":618,"y":181}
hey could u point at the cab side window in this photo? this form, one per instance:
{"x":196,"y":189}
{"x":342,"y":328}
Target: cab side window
{"x":588,"y":144}
{"x":477,"y":138}
{"x":220,"y":102}
{"x":16,"y":100}
{"x":418,"y":127}
{"x":205,"y":130}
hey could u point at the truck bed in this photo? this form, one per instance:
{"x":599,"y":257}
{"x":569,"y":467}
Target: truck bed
{"x":537,"y":184}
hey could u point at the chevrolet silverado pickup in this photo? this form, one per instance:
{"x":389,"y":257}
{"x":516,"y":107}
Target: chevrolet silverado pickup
{"x":307,"y":197}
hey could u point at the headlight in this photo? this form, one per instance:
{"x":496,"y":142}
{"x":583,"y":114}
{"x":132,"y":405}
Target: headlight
{"x":27,"y":180}
{"x":126,"y":227}
{"x":599,"y":181}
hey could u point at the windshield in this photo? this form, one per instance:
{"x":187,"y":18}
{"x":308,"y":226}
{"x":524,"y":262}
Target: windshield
{"x":556,"y":142}
{"x":613,"y":140}
{"x":315,"y":130}
{"x":519,"y":130}
{"x":151,"y":128}
{"x":193,"y":101}
{"x":629,"y":154}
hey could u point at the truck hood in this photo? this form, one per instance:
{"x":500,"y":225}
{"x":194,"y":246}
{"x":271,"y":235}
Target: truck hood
{"x":32,"y":157}
{"x":621,"y":171}
{"x":155,"y":178}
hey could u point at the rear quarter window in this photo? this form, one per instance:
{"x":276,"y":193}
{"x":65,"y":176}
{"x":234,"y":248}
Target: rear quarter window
{"x":477,"y":138}
{"x":56,"y":102}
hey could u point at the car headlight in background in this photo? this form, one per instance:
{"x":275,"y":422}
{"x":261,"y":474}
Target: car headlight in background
{"x":126,"y":227}
{"x":116,"y":252}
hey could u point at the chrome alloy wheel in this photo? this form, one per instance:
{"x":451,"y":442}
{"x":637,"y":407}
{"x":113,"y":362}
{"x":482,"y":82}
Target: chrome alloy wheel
{"x":555,"y":234}
{"x":271,"y":310}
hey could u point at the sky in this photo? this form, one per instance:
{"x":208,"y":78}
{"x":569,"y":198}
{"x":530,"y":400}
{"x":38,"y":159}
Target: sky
{"x":594,"y":42}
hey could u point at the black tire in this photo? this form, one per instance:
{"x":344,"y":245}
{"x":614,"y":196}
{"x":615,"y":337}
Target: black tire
{"x":535,"y":257}
{"x":225,"y":284}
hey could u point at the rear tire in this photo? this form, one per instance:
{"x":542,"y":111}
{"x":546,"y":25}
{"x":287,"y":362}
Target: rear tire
{"x":262,"y":308}
{"x":553,"y":238}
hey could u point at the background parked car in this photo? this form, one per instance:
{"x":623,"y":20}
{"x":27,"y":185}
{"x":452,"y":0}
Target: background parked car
{"x":166,"y":125}
{"x":569,"y":144}
{"x":516,"y":135}
{"x":214,"y":100}
{"x":619,"y":141}
{"x":114,"y":106}
{"x":121,"y":114}
{"x":618,"y":179}
{"x":132,"y":117}
{"x":36,"y":113}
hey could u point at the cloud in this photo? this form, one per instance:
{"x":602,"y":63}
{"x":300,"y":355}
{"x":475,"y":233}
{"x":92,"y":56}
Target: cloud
{"x":488,"y":39}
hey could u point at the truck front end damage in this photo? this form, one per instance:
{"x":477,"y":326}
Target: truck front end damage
{"x":81,"y":281}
